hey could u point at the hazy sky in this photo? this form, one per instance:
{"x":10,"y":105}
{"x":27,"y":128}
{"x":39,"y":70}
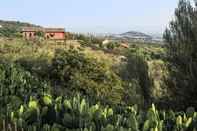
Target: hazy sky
{"x":99,"y":16}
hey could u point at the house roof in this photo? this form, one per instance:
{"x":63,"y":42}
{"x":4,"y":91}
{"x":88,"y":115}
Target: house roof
{"x":124,"y":45}
{"x":35,"y":29}
{"x":31,"y":29}
{"x":54,"y":30}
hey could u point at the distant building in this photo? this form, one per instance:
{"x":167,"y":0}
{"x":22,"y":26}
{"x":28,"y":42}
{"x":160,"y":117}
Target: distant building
{"x":106,"y":42}
{"x":55,"y":33}
{"x":125,"y":45}
{"x":0,"y":26}
{"x":49,"y":33}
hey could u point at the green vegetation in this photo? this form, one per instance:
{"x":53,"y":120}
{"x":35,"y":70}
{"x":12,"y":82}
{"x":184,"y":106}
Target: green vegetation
{"x":182,"y":54}
{"x":39,"y":34}
{"x":54,"y":87}
{"x":11,"y":29}
{"x":9,"y":32}
{"x":76,"y":113}
{"x":83,"y":85}
{"x":90,"y":41}
{"x":32,"y":83}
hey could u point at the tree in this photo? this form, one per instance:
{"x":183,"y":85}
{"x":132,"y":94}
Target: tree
{"x":135,"y":74}
{"x":181,"y":43}
{"x":9,"y":32}
{"x":39,"y":34}
{"x":111,"y":45}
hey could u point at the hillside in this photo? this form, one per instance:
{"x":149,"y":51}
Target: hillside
{"x":12,"y":29}
{"x":80,"y":82}
{"x":131,"y":81}
{"x":135,"y":35}
{"x":16,"y":24}
{"x":132,"y":36}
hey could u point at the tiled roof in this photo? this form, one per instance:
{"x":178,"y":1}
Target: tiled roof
{"x":54,"y":30}
{"x":34,"y":29}
{"x":28,"y":29}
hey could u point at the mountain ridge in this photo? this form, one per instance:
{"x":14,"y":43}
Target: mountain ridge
{"x":16,"y":24}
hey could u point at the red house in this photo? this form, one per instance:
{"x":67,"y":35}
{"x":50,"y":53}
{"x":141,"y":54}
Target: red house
{"x":55,"y":33}
{"x":49,"y":33}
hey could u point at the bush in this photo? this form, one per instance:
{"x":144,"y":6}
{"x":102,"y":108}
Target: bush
{"x":111,"y":45}
{"x":16,"y":86}
{"x":77,"y":113}
{"x":77,"y":72}
{"x":137,"y":81}
{"x":9,"y":32}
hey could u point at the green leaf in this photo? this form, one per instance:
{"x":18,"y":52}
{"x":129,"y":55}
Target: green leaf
{"x":33,"y":104}
{"x":47,"y":100}
{"x":188,"y":123}
{"x":146,"y":126}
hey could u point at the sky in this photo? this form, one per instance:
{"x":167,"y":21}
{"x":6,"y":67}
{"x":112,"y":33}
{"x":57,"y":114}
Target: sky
{"x":94,"y":16}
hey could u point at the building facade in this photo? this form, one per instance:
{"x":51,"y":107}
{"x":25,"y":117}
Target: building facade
{"x":49,"y":33}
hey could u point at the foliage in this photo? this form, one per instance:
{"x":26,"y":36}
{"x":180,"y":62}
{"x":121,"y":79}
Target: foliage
{"x":111,"y":45}
{"x":39,"y":34}
{"x":9,"y":32}
{"x":182,"y":53}
{"x":135,"y":74}
{"x":69,"y":36}
{"x":89,"y":94}
{"x":89,"y":40}
{"x":12,"y":29}
{"x":16,"y":85}
{"x":148,"y":52}
{"x":78,"y":72}
{"x":76,"y":113}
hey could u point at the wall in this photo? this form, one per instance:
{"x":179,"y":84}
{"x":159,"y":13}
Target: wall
{"x":29,"y":35}
{"x":55,"y":35}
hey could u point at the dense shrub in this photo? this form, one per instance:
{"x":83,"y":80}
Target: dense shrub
{"x":78,"y":72}
{"x":9,"y":32}
{"x":39,"y":34}
{"x":76,"y":113}
{"x":137,"y":81}
{"x":111,"y":45}
{"x":16,"y":85}
{"x":91,"y":41}
{"x":16,"y":81}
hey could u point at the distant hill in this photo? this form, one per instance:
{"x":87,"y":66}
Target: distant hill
{"x":132,"y":36}
{"x":15,"y":24}
{"x":136,"y":35}
{"x":12,"y":28}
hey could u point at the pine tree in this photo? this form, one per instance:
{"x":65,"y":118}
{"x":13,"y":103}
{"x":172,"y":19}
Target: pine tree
{"x":181,"y":39}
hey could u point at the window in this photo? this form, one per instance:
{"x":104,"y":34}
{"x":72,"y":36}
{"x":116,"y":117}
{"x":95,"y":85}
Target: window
{"x":30,"y":35}
{"x":52,"y":34}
